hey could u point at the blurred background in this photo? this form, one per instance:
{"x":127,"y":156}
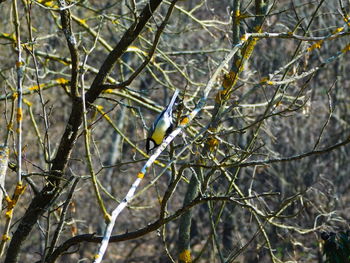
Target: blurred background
{"x":288,"y":110}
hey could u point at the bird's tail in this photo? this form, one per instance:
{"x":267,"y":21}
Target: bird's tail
{"x":170,"y":106}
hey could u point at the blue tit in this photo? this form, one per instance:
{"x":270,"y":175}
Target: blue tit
{"x":162,"y":126}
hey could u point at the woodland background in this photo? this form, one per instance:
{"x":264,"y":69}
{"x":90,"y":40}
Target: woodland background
{"x":256,"y":176}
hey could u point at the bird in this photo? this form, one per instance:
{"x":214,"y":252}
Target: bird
{"x":162,"y":126}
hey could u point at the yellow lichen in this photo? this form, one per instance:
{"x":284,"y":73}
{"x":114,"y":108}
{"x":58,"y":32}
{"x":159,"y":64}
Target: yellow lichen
{"x":62,"y":81}
{"x":99,"y":107}
{"x":19,"y":114}
{"x":5,"y":237}
{"x":108,"y":91}
{"x":184,"y":121}
{"x":229,"y":79}
{"x":8,"y":214}
{"x":82,"y":22}
{"x":213,"y":144}
{"x":346,"y":48}
{"x":316,"y":45}
{"x":19,"y":64}
{"x":339,"y":29}
{"x":107,"y":217}
{"x":27,"y":102}
{"x":244,"y":38}
{"x":185,"y":256}
{"x":20,"y":189}
{"x":36,"y":87}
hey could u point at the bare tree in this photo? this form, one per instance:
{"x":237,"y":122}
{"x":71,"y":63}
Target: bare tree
{"x":253,"y":170}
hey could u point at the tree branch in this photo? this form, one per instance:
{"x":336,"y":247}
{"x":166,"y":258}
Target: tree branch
{"x":92,"y":238}
{"x":41,"y":201}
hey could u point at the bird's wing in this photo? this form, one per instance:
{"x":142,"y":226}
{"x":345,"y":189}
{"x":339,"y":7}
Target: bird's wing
{"x":167,"y":111}
{"x":170,"y":106}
